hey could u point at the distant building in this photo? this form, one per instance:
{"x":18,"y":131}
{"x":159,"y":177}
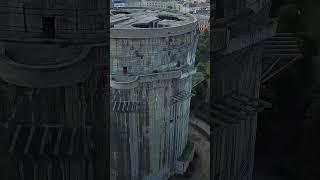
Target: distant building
{"x":119,"y":3}
{"x":164,"y":4}
{"x":204,"y":23}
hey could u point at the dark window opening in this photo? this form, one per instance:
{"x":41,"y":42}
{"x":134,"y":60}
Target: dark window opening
{"x":48,"y":26}
{"x":168,"y":17}
{"x":178,"y":63}
{"x":162,"y":26}
{"x":142,"y":25}
{"x":219,"y":9}
{"x":173,"y":58}
{"x":217,"y":176}
{"x":138,"y":54}
{"x":125,"y":69}
{"x":120,"y":12}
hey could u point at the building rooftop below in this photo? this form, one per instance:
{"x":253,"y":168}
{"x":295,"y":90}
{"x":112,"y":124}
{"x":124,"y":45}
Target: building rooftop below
{"x":202,"y":17}
{"x":133,"y":18}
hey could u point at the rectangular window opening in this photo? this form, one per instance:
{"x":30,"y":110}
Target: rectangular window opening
{"x":125,"y":69}
{"x":48,"y":27}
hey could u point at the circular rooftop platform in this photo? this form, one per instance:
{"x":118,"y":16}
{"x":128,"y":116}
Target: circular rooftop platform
{"x":141,"y":22}
{"x":44,"y":65}
{"x":43,"y":54}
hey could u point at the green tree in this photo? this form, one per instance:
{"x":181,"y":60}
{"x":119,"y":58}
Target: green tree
{"x":201,"y":89}
{"x":202,"y":54}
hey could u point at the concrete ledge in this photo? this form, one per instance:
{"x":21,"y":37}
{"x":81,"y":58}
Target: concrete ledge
{"x":38,"y":76}
{"x":152,"y":33}
{"x":136,"y":33}
{"x":133,"y":82}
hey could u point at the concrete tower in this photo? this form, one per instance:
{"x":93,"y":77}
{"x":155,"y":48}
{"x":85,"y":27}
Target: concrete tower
{"x":246,"y":53}
{"x":53,"y":95}
{"x":239,"y":29}
{"x":152,"y":68}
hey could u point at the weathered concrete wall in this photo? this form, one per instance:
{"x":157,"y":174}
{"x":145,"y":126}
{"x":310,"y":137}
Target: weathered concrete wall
{"x":72,"y":19}
{"x":70,"y":109}
{"x":152,"y":136}
{"x":151,"y":81}
{"x":233,"y":146}
{"x":144,"y":56}
{"x":55,"y":114}
{"x":237,"y":68}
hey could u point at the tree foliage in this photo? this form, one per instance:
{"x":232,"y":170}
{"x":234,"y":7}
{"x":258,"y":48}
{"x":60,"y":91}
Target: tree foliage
{"x":201,"y":89}
{"x":202,"y":54}
{"x":202,"y":62}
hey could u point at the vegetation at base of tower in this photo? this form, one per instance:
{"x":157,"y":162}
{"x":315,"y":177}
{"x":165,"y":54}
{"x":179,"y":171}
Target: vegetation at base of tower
{"x":201,"y":89}
{"x":202,"y":63}
{"x":204,"y":68}
{"x":202,"y":54}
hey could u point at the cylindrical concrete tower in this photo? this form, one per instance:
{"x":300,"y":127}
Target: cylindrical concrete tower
{"x":53,"y":79}
{"x":152,"y":63}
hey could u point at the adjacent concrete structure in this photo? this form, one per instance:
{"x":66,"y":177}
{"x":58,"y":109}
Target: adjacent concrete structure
{"x":243,"y":57}
{"x":152,"y":68}
{"x":53,"y":88}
